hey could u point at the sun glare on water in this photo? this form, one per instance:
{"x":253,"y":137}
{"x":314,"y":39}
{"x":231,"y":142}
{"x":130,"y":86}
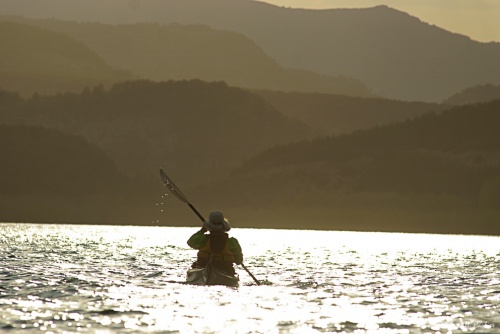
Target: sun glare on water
{"x":131,"y":279}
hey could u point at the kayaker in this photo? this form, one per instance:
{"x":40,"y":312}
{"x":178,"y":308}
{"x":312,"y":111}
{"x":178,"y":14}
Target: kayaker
{"x":217,"y":245}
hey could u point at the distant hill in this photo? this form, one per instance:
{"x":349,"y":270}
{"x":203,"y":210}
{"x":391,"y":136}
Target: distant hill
{"x":458,"y":130}
{"x":336,"y":114}
{"x":435,"y":173}
{"x":394,"y":53}
{"x":9,"y":100}
{"x":481,"y":93}
{"x":230,"y":149}
{"x":38,"y":60}
{"x":179,"y":52}
{"x":52,"y":162}
{"x":47,"y":175}
{"x":195,"y":130}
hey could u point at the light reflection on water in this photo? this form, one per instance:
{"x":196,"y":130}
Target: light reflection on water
{"x":56,"y":278}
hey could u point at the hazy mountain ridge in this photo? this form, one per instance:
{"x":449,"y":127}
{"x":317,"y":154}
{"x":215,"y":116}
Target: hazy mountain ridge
{"x":48,"y":160}
{"x":48,"y":175}
{"x":196,"y":129}
{"x":336,"y":114}
{"x":466,"y":136}
{"x":476,"y":94}
{"x":249,"y":152}
{"x":395,"y":54}
{"x":38,"y":60}
{"x":437,"y":172}
{"x":471,"y":128}
{"x":179,"y":52}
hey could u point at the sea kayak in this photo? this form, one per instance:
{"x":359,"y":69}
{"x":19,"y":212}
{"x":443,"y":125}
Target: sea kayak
{"x":210,"y":276}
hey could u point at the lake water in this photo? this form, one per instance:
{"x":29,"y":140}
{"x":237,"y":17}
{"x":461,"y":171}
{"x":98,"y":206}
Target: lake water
{"x":119,"y":279}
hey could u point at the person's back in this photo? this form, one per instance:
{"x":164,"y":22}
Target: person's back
{"x":217,"y":246}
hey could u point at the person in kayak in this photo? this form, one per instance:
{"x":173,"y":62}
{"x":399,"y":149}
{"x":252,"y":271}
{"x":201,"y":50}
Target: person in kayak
{"x":217,"y":245}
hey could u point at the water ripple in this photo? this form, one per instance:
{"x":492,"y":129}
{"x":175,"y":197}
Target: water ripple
{"x":63,"y":278}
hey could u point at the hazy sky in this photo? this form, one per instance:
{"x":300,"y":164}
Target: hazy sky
{"x":478,"y":19}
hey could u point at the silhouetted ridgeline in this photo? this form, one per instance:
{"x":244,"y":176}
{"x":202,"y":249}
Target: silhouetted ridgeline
{"x":38,"y":60}
{"x":49,"y":175}
{"x":196,"y":130}
{"x":42,"y":160}
{"x":436,"y":173}
{"x":9,"y":100}
{"x":335,"y":114}
{"x":481,"y":93}
{"x":395,"y":54}
{"x":464,"y":136}
{"x":179,"y":52}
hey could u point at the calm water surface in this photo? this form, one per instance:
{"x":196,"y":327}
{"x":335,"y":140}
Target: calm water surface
{"x":102,"y":279}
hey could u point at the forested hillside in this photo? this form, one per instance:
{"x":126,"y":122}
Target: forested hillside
{"x":336,"y":114}
{"x":229,"y":148}
{"x":195,"y":129}
{"x":434,"y":173}
{"x":253,"y":109}
{"x":49,"y":175}
{"x":475,"y":94}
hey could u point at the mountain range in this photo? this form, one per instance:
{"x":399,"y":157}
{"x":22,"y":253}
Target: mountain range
{"x":40,"y":61}
{"x":51,"y":176}
{"x":393,"y":53}
{"x":230,"y":148}
{"x":277,"y":116}
{"x":332,"y":114}
{"x":148,"y":51}
{"x":438,"y":172}
{"x":198,"y":130}
{"x":475,"y":94}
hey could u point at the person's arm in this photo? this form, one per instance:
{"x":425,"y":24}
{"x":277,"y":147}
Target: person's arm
{"x":199,"y":239}
{"x":235,"y":248}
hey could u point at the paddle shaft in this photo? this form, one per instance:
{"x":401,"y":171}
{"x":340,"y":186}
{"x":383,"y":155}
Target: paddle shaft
{"x":196,"y":211}
{"x":249,"y":273}
{"x":178,"y":193}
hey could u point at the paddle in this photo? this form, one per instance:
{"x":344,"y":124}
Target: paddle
{"x":178,"y":193}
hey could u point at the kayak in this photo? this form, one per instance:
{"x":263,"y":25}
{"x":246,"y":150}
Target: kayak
{"x":210,"y":276}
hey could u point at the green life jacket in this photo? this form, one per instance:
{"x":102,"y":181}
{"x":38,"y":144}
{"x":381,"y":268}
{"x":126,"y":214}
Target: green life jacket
{"x":217,"y":247}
